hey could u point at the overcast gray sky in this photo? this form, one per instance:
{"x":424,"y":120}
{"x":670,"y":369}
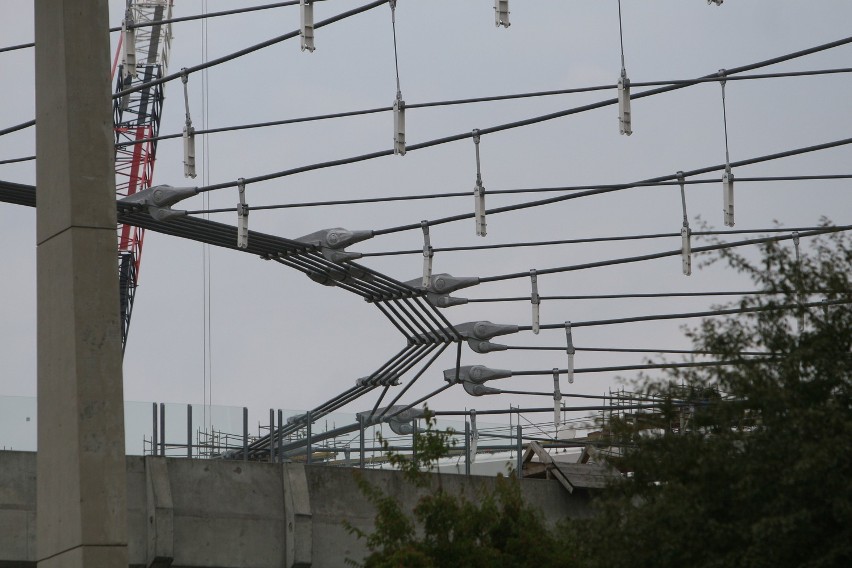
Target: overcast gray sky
{"x":280,"y":340}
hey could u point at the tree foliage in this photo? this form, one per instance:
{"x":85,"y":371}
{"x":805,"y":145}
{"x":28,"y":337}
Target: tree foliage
{"x":748,"y":464}
{"x":495,"y":530}
{"x":751,"y":464}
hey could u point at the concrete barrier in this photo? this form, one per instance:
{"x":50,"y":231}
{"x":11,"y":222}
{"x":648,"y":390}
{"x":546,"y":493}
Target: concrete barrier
{"x":206,"y":513}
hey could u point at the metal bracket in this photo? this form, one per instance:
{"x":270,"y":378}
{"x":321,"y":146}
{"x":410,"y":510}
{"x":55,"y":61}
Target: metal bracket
{"x":624,"y":119}
{"x":306,"y":9}
{"x":399,"y":125}
{"x":569,"y":349}
{"x":501,"y":13}
{"x":428,"y":254}
{"x":535,"y":300}
{"x":242,"y":215}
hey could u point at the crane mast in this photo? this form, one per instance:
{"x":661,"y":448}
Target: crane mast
{"x":143,"y":53}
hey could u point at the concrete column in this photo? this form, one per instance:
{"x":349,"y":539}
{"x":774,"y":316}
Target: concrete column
{"x":82,"y":490}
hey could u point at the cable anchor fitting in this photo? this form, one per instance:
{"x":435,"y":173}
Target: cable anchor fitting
{"x":501,"y":13}
{"x":479,"y":191}
{"x":242,"y":215}
{"x":306,"y":9}
{"x":685,"y":231}
{"x":535,"y":301}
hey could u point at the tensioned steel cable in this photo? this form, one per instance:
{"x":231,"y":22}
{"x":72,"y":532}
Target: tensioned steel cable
{"x":550,"y":409}
{"x":635,"y":350}
{"x":474,"y":100}
{"x":643,"y":367}
{"x":688,"y":315}
{"x":577,"y":195}
{"x":245,"y":51}
{"x":524,"y":122}
{"x":340,"y":401}
{"x":292,"y":253}
{"x":466,"y":194}
{"x":17,"y":127}
{"x":652,"y":256}
{"x":179,"y":19}
{"x":386,"y":370}
{"x":15,"y":160}
{"x":587,"y":240}
{"x":634,"y":296}
{"x":414,"y":378}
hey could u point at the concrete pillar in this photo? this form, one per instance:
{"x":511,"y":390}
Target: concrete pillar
{"x":82,"y":492}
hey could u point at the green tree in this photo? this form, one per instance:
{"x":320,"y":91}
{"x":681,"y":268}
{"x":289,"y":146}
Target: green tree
{"x":446,"y":529}
{"x":750,"y":464}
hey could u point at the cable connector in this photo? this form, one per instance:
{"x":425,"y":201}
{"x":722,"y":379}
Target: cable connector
{"x":159,"y":199}
{"x":501,"y":13}
{"x":476,"y":332}
{"x":535,"y":301}
{"x":569,"y":349}
{"x":428,"y":253}
{"x":685,"y":231}
{"x":439,"y":287}
{"x":399,"y":125}
{"x":332,"y":242}
{"x":445,"y":283}
{"x":484,"y":329}
{"x":242,"y":215}
{"x":482,"y":346}
{"x":479,"y":192}
{"x":471,"y":378}
{"x":306,"y":9}
{"x":624,"y":123}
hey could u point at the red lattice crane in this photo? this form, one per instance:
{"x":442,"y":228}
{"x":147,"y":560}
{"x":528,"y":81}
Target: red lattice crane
{"x":141,"y":57}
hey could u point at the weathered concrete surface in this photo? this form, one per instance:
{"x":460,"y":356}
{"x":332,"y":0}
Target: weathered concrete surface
{"x":202,"y":513}
{"x":81,"y":471}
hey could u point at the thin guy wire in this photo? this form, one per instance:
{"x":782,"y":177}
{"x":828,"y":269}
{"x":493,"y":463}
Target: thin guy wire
{"x":725,"y":121}
{"x":395,"y":57}
{"x":621,"y":37}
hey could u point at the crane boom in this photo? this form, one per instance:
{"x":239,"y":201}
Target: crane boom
{"x":143,"y":53}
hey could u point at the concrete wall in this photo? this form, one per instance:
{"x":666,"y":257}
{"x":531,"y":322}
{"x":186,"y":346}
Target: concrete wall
{"x":204,"y":513}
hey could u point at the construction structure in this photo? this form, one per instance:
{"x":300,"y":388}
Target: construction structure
{"x":141,"y":59}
